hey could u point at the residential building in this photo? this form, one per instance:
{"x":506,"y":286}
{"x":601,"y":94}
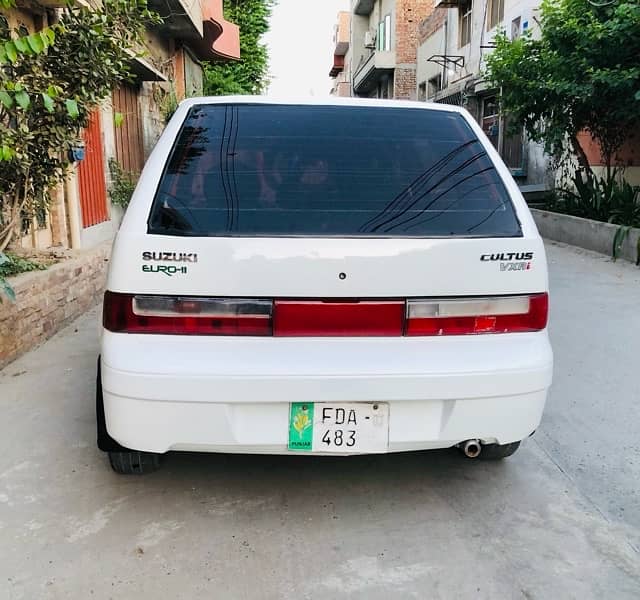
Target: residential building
{"x":383,"y":47}
{"x":454,"y":42}
{"x":341,"y":56}
{"x":80,"y":214}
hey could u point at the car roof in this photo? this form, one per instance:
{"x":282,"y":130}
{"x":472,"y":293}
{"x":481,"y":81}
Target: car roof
{"x":321,"y":101}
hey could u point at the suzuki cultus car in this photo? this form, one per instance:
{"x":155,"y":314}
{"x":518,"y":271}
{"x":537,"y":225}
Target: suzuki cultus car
{"x":322,"y":277}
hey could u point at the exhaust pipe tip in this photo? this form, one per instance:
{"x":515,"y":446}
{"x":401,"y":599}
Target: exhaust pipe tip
{"x":472,"y":448}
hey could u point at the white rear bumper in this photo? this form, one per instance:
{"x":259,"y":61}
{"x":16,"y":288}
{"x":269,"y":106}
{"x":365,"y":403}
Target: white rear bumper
{"x":166,"y":393}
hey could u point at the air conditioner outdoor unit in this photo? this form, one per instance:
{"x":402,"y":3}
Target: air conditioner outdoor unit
{"x":369,"y":40}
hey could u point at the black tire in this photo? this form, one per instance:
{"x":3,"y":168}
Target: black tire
{"x":134,"y":462}
{"x":105,"y":442}
{"x":498,"y":451}
{"x":123,"y":460}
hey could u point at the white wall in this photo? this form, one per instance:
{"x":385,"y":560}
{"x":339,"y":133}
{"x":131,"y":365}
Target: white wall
{"x":432,"y":46}
{"x":357,"y":51}
{"x":473,"y":53}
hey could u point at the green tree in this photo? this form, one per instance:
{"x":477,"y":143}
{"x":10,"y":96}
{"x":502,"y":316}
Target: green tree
{"x":249,"y":74}
{"x":50,"y":82}
{"x":581,"y":74}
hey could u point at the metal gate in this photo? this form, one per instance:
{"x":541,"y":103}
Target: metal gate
{"x":91,"y":175}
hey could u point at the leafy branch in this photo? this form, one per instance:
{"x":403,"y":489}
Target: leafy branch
{"x":50,"y":82}
{"x":249,"y":74}
{"x":581,"y":74}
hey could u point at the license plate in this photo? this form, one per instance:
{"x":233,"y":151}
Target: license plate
{"x":355,"y":427}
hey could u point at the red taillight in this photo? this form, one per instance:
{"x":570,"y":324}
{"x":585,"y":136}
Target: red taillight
{"x":337,"y":319}
{"x":177,"y":315}
{"x":515,"y":314}
{"x":127,"y":313}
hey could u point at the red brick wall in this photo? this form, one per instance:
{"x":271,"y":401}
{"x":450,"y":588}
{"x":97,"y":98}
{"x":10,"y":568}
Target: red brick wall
{"x":431,"y":24}
{"x":627,"y":156}
{"x":409,"y":15}
{"x":405,"y":83}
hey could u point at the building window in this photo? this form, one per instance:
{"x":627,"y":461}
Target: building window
{"x":37,"y":217}
{"x":464,"y":23}
{"x":387,"y":26}
{"x":435,"y":85}
{"x":38,"y":22}
{"x":4,"y":27}
{"x":422,"y":92}
{"x":26,"y":222}
{"x":515,"y":28}
{"x":384,"y":89}
{"x":490,"y":121}
{"x":384,"y":34}
{"x":513,"y":151}
{"x":509,"y":145}
{"x":496,"y":13}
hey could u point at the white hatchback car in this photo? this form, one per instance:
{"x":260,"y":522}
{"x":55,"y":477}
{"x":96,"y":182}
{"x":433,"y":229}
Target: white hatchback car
{"x":323,"y":277}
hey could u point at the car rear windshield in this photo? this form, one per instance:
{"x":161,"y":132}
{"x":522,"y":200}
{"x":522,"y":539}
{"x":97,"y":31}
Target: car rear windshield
{"x":280,"y":170}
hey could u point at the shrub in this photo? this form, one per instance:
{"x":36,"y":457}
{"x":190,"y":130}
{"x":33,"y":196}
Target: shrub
{"x":123,"y":183}
{"x":11,"y":264}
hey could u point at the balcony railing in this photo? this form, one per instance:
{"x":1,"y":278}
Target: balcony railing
{"x":379,"y":62}
{"x":201,"y":25}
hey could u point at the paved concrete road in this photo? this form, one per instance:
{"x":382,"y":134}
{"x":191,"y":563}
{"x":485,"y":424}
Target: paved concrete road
{"x":559,"y":520}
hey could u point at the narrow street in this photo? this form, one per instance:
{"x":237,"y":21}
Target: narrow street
{"x":561,"y":519}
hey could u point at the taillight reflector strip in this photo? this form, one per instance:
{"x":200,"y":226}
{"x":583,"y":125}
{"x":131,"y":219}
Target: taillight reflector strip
{"x":513,"y":314}
{"x":192,"y":315}
{"x":180,"y":315}
{"x":338,"y":318}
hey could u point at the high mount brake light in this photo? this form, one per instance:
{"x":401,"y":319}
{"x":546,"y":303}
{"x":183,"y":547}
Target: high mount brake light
{"x":192,"y":315}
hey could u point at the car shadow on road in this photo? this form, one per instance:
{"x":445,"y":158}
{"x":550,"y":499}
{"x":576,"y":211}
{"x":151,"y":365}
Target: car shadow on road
{"x":362,"y":479}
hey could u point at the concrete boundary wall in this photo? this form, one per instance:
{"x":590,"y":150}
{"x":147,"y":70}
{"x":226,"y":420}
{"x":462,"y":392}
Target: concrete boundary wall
{"x":585,"y":233}
{"x":46,"y":301}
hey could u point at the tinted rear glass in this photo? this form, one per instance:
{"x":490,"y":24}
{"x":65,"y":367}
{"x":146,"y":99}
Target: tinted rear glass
{"x":277,"y":170}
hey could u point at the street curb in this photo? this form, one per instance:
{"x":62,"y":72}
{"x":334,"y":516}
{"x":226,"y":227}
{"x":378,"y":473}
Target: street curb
{"x":585,"y":233}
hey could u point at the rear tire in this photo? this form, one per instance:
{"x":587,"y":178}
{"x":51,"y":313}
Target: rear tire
{"x":134,"y":462}
{"x":498,"y":451}
{"x":123,"y":460}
